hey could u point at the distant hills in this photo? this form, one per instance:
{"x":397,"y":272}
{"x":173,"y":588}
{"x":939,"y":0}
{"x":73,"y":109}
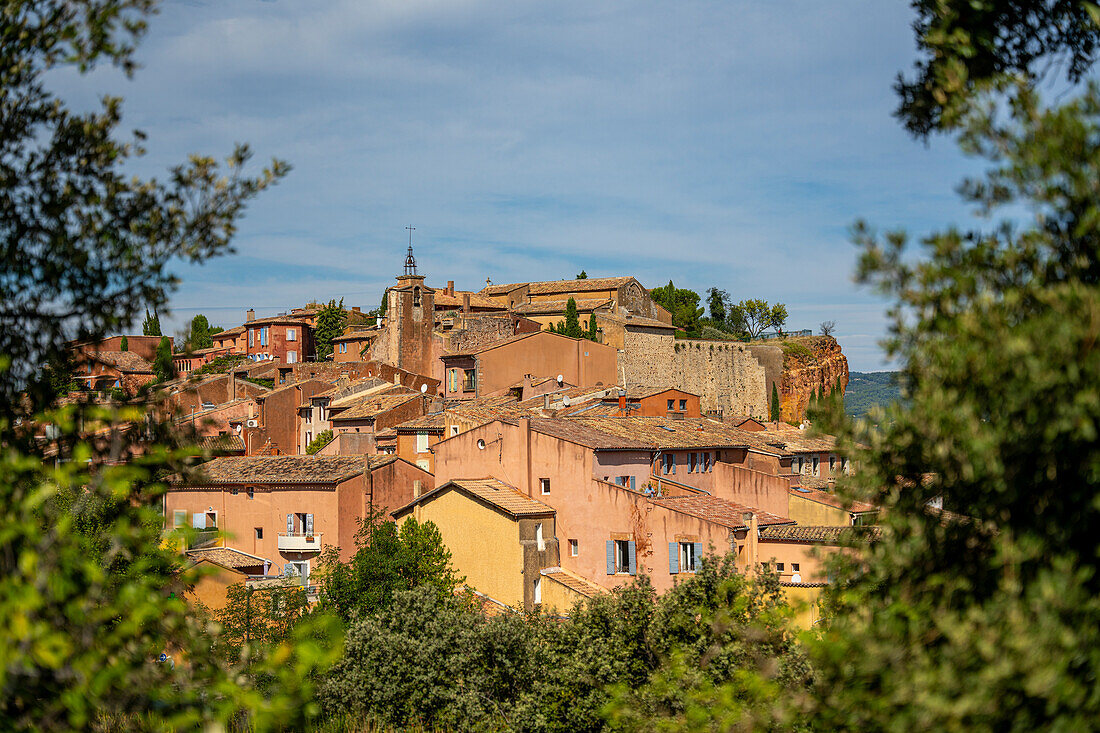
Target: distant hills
{"x":866,"y":389}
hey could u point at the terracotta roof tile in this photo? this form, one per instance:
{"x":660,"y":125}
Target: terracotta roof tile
{"x":279,"y":470}
{"x":633,"y":320}
{"x":433,"y":422}
{"x":828,"y":499}
{"x":374,"y":406}
{"x":820,"y":534}
{"x":719,"y":511}
{"x":125,"y":361}
{"x":222,"y":444}
{"x":549,"y":307}
{"x":495,"y":492}
{"x":574,"y":582}
{"x":548,"y":287}
{"x":477,"y":300}
{"x":227,"y":557}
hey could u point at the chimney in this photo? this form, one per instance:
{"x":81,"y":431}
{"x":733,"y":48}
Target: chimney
{"x":622,"y":402}
{"x":465,"y":302}
{"x":546,"y":402}
{"x":249,"y":315}
{"x":231,"y":386}
{"x":526,"y":391}
{"x":416,"y":489}
{"x":525,"y":442}
{"x":450,"y":287}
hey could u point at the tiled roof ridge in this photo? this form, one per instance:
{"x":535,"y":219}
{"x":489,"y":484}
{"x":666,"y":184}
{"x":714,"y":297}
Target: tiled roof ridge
{"x":552,"y":286}
{"x":821,"y":534}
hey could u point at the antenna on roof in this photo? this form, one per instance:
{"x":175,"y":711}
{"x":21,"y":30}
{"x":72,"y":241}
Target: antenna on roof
{"x":410,"y":261}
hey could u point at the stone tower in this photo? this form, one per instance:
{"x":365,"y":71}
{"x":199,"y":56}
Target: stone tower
{"x":410,"y":318}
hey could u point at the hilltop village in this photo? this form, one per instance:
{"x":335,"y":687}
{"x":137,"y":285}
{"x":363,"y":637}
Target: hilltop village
{"x":555,"y":467}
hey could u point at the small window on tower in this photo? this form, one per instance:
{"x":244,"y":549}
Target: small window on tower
{"x":416,"y":297}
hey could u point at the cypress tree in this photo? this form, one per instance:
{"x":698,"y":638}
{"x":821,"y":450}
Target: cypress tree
{"x":163,"y":367}
{"x":775,"y":403}
{"x":124,"y":345}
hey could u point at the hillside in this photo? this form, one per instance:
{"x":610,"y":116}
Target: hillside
{"x":866,"y":389}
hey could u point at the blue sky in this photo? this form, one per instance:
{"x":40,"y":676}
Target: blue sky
{"x":711,"y":143}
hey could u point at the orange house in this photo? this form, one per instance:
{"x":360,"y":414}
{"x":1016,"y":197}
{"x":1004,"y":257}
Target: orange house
{"x":501,"y":364}
{"x":289,"y":508}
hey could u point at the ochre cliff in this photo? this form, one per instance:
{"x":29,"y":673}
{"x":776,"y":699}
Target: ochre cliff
{"x":812,"y":363}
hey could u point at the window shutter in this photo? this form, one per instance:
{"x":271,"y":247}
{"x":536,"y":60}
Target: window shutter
{"x":698,"y":553}
{"x":290,"y":524}
{"x":198,"y":520}
{"x":633,"y":559}
{"x":673,"y":557}
{"x":309,"y":524}
{"x":632,"y":482}
{"x":611,"y":557}
{"x":672,"y":461}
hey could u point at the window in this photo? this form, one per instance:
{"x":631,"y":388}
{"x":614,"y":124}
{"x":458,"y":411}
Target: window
{"x":625,"y":481}
{"x":416,"y":297}
{"x":454,"y":430}
{"x":179,"y":517}
{"x":309,"y":438}
{"x":251,"y":492}
{"x":668,"y":463}
{"x":621,"y":557}
{"x":469,"y":380}
{"x":832,"y":463}
{"x":574,"y":548}
{"x":538,"y":590}
{"x":343,"y":348}
{"x":263,"y":336}
{"x":421,"y":442}
{"x":544,"y":486}
{"x":259,"y":533}
{"x":423,"y":464}
{"x":540,"y":541}
{"x":844,"y":465}
{"x":688,"y":556}
{"x":452,"y":380}
{"x":480,"y":444}
{"x":671,"y":403}
{"x":292,"y":334}
{"x":816,"y":465}
{"x":300,"y":569}
{"x":291,"y":357}
{"x":779,"y":567}
{"x":794,"y":567}
{"x":693,"y":463}
{"x":251,"y":337}
{"x":234,"y":491}
{"x":683,"y":405}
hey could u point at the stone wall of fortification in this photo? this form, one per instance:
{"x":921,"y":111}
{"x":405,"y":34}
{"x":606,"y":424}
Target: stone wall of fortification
{"x":725,"y":374}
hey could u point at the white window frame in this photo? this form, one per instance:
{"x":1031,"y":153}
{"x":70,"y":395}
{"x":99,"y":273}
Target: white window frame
{"x":421,"y":442}
{"x":540,"y":540}
{"x":179,"y":518}
{"x":622,"y":557}
{"x":574,"y":548}
{"x":292,"y":334}
{"x":688,"y":561}
{"x":538,"y":590}
{"x":544,"y":486}
{"x":292,"y":357}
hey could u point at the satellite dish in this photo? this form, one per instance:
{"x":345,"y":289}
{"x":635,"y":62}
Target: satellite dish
{"x":560,"y":379}
{"x":565,"y":401}
{"x":423,"y":388}
{"x":796,"y":578}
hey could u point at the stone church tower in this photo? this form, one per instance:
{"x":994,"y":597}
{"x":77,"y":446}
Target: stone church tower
{"x":410,"y":318}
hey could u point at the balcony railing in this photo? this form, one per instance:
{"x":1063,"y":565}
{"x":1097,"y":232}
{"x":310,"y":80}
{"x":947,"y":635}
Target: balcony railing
{"x":299,"y":542}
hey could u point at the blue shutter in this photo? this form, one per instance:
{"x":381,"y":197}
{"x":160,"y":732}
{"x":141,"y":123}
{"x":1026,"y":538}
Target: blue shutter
{"x":632,"y":482}
{"x":633,"y":560}
{"x":672,"y":460}
{"x":698,"y":554}
{"x":673,"y":557}
{"x":611,"y":557}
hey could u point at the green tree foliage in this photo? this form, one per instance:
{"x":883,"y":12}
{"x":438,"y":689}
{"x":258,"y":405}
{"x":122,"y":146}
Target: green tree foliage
{"x":323,"y":438}
{"x":151,"y":325}
{"x":757,"y":316}
{"x":775,"y":413}
{"x":682,"y":304}
{"x":619,"y":660}
{"x":968,"y":47}
{"x":200,"y":333}
{"x":124,"y":344}
{"x":163,"y":366}
{"x":330,"y":323}
{"x":717,"y":301}
{"x":582,"y":276}
{"x":571,"y":326}
{"x":86,"y":591}
{"x":992,"y":620}
{"x":387,"y":560}
{"x":257,"y":618}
